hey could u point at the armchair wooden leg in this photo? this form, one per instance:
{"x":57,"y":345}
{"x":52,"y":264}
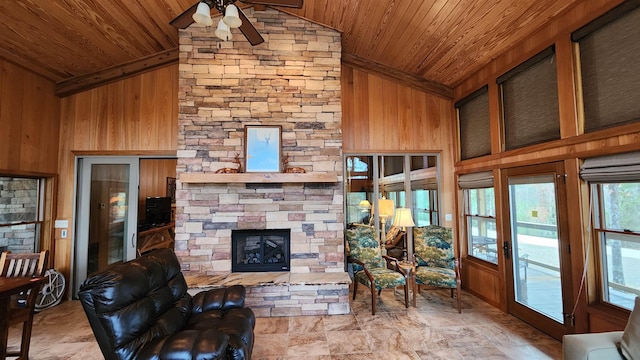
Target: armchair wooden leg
{"x":373,"y":299}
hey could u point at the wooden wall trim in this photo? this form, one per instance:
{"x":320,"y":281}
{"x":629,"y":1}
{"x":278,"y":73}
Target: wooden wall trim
{"x":396,"y":75}
{"x":81,"y":83}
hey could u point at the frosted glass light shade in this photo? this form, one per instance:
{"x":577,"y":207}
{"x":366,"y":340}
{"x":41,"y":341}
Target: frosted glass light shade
{"x":231,"y":17}
{"x":203,"y":15}
{"x":223,"y":32}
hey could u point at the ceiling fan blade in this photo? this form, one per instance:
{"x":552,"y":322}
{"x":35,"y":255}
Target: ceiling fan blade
{"x":249,"y":31}
{"x":185,"y":19}
{"x":283,"y":3}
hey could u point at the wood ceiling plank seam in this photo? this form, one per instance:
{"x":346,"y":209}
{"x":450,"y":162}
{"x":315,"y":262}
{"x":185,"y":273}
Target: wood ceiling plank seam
{"x":440,"y":32}
{"x":100,"y":33}
{"x":371,"y":23}
{"x":473,"y":19}
{"x":410,"y":34}
{"x":499,"y":41}
{"x":392,"y":23}
{"x":83,"y":16}
{"x":164,"y":35}
{"x":356,"y":36}
{"x":425,"y":36}
{"x":473,"y":48}
{"x":125,"y":26}
{"x":340,"y":14}
{"x":83,"y":44}
{"x":24,"y":39}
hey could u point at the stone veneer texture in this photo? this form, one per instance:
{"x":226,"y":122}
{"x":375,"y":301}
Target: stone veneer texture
{"x":291,"y":80}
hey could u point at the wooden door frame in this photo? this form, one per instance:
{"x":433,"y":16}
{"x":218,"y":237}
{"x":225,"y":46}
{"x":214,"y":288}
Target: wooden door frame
{"x":547,"y":325}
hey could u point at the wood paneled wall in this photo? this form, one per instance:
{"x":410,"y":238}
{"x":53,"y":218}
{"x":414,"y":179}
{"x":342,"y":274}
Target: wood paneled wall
{"x":138,"y":115}
{"x":29,"y":126}
{"x":571,"y":148}
{"x":29,"y":121}
{"x":153,"y":180}
{"x":383,"y":116}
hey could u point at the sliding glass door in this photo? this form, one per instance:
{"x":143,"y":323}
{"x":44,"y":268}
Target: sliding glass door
{"x":107,"y":213}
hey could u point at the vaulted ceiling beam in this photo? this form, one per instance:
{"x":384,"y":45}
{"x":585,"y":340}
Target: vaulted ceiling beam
{"x":89,"y":81}
{"x":400,"y":76}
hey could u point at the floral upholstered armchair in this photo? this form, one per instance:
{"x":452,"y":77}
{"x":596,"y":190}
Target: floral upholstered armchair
{"x":436,"y":264}
{"x":370,"y":267}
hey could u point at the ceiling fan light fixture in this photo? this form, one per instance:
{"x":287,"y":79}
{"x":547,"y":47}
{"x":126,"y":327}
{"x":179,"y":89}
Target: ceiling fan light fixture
{"x":231,"y":17}
{"x":223,"y":32}
{"x":203,"y":15}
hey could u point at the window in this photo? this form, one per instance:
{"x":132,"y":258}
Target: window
{"x":609,"y":53}
{"x":615,"y":185}
{"x":617,"y":228}
{"x":20,"y":214}
{"x":473,"y":116}
{"x":530,"y":102}
{"x":480,"y":215}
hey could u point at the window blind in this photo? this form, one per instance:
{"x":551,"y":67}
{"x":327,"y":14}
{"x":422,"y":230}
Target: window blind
{"x":609,"y":53}
{"x":473,"y":116}
{"x":530,"y":102}
{"x":612,"y":168}
{"x":477,"y":180}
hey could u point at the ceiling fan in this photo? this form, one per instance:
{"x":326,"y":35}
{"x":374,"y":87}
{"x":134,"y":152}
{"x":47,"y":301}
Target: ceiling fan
{"x":233,"y":17}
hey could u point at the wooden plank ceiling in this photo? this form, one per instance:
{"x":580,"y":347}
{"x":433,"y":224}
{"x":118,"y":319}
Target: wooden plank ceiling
{"x":439,"y":41}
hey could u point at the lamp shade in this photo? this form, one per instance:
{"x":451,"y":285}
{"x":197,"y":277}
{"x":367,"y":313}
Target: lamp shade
{"x":203,"y":15}
{"x":364,"y":205}
{"x":386,"y":208}
{"x":403,"y":218}
{"x":223,"y":32}
{"x":231,"y":17}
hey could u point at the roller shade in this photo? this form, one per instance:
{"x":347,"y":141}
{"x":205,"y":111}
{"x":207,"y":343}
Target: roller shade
{"x":477,"y":180}
{"x":609,"y":52}
{"x":530,"y":102}
{"x":612,"y":168}
{"x":475,"y":132}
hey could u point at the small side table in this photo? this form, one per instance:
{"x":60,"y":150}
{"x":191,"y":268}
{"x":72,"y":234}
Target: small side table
{"x":409,"y":271}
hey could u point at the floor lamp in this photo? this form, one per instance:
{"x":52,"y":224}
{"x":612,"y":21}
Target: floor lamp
{"x":404,"y":219}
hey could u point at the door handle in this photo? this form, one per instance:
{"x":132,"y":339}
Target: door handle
{"x":133,"y":236}
{"x":506,"y":250}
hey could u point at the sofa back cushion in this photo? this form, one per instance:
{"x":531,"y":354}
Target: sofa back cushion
{"x":132,"y":304}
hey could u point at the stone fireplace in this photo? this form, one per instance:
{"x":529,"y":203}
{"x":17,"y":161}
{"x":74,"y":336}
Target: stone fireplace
{"x":292,"y":80}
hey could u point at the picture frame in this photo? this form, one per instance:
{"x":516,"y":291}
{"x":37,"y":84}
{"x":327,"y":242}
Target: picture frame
{"x":262,"y":148}
{"x":171,"y":189}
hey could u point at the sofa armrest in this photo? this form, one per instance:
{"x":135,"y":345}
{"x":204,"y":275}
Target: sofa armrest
{"x":219,"y":299}
{"x":592,"y":346}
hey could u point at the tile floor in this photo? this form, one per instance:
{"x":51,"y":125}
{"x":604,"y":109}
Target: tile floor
{"x":432,"y":330}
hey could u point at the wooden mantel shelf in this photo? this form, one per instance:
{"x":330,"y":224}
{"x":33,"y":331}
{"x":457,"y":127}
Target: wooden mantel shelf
{"x":213,"y":178}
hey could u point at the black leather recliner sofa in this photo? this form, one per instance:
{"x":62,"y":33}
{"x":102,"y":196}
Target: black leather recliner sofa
{"x":141,"y":310}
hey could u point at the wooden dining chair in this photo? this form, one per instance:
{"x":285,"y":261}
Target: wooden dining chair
{"x":23,"y":305}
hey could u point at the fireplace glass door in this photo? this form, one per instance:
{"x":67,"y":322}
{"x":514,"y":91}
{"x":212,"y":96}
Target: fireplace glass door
{"x":260,"y":250}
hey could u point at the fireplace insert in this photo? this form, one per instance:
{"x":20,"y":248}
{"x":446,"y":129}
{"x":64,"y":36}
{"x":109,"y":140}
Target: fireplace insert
{"x":260,"y":250}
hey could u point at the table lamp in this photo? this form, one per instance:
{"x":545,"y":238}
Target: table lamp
{"x":404,"y":219}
